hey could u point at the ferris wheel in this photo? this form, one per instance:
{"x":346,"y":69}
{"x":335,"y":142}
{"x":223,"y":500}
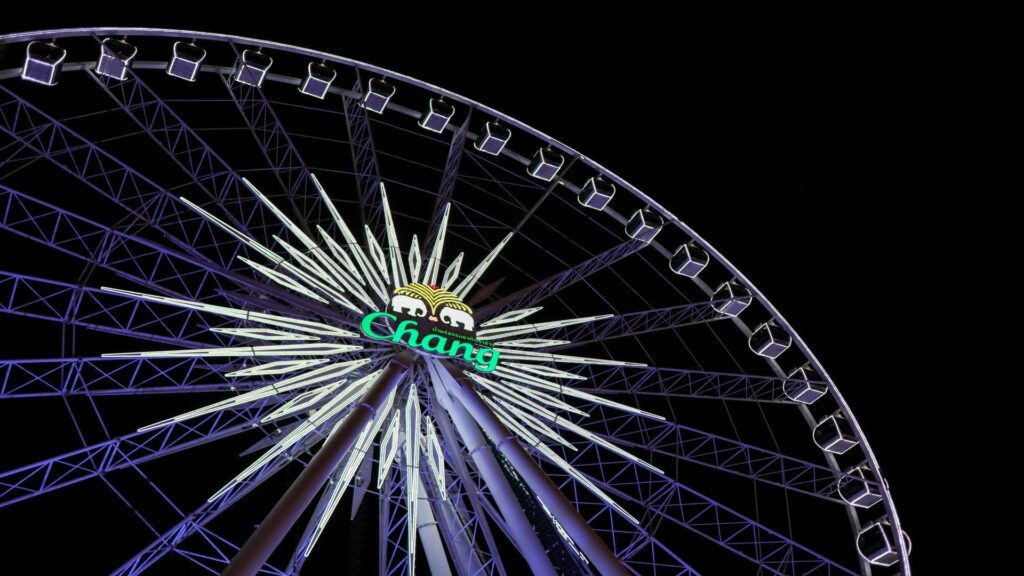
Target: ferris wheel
{"x":274,"y":295}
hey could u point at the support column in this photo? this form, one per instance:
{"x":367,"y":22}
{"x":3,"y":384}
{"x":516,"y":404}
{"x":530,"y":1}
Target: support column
{"x":508,"y":444}
{"x":518,"y":524}
{"x":258,"y":548}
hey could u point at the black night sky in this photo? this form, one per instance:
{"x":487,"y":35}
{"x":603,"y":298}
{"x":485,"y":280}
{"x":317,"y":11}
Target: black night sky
{"x":809,"y":159}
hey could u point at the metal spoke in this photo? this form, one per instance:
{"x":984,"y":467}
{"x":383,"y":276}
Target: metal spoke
{"x":279,"y":151}
{"x":669,"y":500}
{"x":66,"y":303}
{"x":129,"y":450}
{"x":542,"y":289}
{"x":364,"y":158}
{"x":682,"y":383}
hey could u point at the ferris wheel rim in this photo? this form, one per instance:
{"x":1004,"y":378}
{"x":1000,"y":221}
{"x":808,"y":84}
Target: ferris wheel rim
{"x":670,"y":218}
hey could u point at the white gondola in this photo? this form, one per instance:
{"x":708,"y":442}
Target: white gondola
{"x":186,"y":60}
{"x":769,"y":340}
{"x":855,"y":489}
{"x":875,"y":544}
{"x":596,"y":193}
{"x":251,"y":68}
{"x":833,"y":434}
{"x":545,"y":164}
{"x":319,"y":77}
{"x":492,"y":138}
{"x":378,"y":94}
{"x":644,"y":225}
{"x":731,"y":298}
{"x":805,"y":385}
{"x":43,"y":62}
{"x":115,"y":57}
{"x":437,"y":115}
{"x":689,"y":260}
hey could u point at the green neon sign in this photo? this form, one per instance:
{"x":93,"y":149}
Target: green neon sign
{"x":437,"y":341}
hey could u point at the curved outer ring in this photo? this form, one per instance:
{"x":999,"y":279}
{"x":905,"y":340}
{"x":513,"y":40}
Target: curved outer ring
{"x":669,"y":217}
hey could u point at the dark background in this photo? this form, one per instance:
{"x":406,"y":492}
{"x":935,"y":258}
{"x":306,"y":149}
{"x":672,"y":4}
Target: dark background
{"x":817,"y":162}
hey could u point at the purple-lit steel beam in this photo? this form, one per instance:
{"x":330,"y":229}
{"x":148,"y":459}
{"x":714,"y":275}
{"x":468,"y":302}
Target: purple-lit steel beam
{"x":175,"y":539}
{"x":463,"y":522}
{"x":508,"y":444}
{"x":286,"y":512}
{"x":516,"y":521}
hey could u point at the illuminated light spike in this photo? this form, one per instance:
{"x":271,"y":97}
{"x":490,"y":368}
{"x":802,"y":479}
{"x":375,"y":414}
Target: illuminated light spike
{"x":388,"y":449}
{"x":412,"y":473}
{"x":377,"y":254}
{"x":333,"y":407}
{"x":415,"y":259}
{"x":548,"y":371}
{"x":435,"y":456}
{"x":341,"y":279}
{"x":434,"y":261}
{"x":300,"y":234}
{"x":469,"y":281}
{"x":512,"y":424}
{"x":283,"y":280}
{"x":544,"y":398}
{"x":308,"y":242}
{"x":452,"y":273}
{"x":266,"y":252}
{"x":511,"y":316}
{"x":509,"y":331}
{"x":357,"y":252}
{"x":570,"y":391}
{"x":304,"y":261}
{"x":341,"y":255}
{"x":533,"y":343}
{"x":295,"y":230}
{"x":359,"y":451}
{"x":302,"y":401}
{"x":326,"y":282}
{"x":263,"y":334}
{"x":529,"y":356}
{"x":510,"y":395}
{"x":346,"y":283}
{"x":258,"y":317}
{"x":537,"y":425}
{"x":323,"y":288}
{"x":584,"y":433}
{"x":276,"y":367}
{"x":322,"y":374}
{"x":322,"y":349}
{"x":395,"y":253}
{"x":356,"y":281}
{"x":590,"y":486}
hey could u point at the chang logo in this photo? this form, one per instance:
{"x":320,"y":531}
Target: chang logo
{"x":435,"y":321}
{"x":419,"y":300}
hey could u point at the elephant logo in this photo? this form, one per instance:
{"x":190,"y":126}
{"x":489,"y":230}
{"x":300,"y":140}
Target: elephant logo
{"x":435,"y":304}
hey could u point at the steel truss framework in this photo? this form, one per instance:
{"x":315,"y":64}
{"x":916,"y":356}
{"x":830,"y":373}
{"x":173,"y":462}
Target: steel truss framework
{"x":248,"y":285}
